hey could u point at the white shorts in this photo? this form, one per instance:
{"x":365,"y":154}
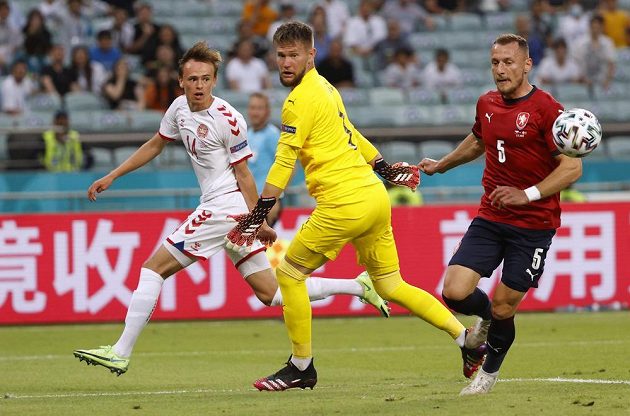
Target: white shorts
{"x":203,"y":234}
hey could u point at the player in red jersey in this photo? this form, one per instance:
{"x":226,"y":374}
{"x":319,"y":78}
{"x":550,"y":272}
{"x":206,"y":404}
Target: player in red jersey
{"x":520,"y":207}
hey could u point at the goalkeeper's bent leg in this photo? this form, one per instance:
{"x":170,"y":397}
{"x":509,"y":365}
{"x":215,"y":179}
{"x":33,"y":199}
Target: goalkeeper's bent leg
{"x":393,"y":288}
{"x":297,"y":308}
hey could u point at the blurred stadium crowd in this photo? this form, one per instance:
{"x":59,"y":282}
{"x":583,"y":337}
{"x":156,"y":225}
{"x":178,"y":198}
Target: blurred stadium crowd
{"x":110,"y":66}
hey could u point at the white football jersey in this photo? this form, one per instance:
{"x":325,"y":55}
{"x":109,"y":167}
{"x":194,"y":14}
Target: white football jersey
{"x":215,"y":138}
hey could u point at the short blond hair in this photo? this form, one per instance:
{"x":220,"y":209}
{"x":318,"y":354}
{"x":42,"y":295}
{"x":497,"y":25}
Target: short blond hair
{"x":507,"y":38}
{"x":201,"y":52}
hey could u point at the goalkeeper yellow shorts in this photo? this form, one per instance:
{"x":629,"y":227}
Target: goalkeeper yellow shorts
{"x":365,"y":223}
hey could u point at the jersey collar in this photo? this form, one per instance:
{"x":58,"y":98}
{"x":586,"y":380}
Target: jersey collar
{"x":512,"y":101}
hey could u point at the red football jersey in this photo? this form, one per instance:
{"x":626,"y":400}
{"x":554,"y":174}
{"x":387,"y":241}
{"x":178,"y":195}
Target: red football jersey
{"x":520,"y":153}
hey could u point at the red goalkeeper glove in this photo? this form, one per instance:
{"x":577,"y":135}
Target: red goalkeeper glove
{"x":399,"y":174}
{"x":244,"y":233}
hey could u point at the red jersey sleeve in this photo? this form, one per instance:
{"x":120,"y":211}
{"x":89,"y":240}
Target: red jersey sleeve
{"x":476,"y":129}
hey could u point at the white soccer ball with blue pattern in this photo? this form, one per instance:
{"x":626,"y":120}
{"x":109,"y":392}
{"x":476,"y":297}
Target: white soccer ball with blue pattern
{"x":576,"y":132}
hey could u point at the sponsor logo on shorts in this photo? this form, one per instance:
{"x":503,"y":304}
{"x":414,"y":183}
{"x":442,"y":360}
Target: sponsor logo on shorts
{"x":288,"y":129}
{"x":238,"y":147}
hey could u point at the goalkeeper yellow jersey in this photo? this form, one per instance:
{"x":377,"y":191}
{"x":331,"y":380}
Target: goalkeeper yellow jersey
{"x":332,"y":152}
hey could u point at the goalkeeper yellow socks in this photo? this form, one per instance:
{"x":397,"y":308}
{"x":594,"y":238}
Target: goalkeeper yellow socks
{"x":393,"y":288}
{"x":296,"y":310}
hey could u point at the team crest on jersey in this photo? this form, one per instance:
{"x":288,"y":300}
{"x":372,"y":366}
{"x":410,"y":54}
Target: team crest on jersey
{"x":202,"y":131}
{"x":521,"y":120}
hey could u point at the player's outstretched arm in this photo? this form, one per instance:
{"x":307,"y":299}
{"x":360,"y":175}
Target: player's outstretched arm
{"x":469,"y":149}
{"x":568,"y":171}
{"x":147,"y":152}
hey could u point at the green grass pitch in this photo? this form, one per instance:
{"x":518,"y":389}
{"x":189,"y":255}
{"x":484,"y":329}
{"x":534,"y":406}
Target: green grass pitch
{"x":560,"y":364}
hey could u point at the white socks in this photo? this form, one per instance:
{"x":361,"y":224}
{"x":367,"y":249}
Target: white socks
{"x":461,"y":339}
{"x":301,"y":363}
{"x":140,"y":309}
{"x":321,"y":287}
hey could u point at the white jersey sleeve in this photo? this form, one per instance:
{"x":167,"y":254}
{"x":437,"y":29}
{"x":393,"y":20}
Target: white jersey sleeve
{"x":234,"y":134}
{"x":168,"y":126}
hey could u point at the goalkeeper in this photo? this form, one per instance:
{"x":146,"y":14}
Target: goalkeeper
{"x":352,"y":207}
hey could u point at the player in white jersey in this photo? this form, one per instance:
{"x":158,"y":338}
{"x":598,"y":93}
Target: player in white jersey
{"x":215,"y":136}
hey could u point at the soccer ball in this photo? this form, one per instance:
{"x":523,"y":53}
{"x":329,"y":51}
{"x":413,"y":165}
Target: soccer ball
{"x":576,"y":132}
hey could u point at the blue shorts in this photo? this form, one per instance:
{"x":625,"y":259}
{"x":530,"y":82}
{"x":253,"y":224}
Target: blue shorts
{"x":522,"y":250}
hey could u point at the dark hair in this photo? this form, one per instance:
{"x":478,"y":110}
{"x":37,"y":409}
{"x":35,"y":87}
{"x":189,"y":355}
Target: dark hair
{"x":441,"y":52}
{"x":291,"y":32}
{"x":104,"y":34}
{"x":507,"y":38}
{"x":597,"y":18}
{"x":558,"y":43}
{"x":262,"y":96}
{"x":202,"y":53}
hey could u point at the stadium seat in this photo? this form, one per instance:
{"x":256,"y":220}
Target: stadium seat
{"x":453,"y":114}
{"x":226,"y":8}
{"x":386,"y":96}
{"x":423,"y":96}
{"x":103,"y":159}
{"x":499,"y":22}
{"x":435,"y":149}
{"x":399,"y":151}
{"x":238,"y":99}
{"x":179,"y":158}
{"x":464,"y":21}
{"x":355,"y":96}
{"x":84,"y":101}
{"x":107,"y":121}
{"x":423,"y":41}
{"x":122,"y":153}
{"x":618,"y":147}
{"x":572,"y":92}
{"x":616,"y":91}
{"x":277,"y":96}
{"x":44,"y":102}
{"x":462,"y":95}
{"x":146,"y":120}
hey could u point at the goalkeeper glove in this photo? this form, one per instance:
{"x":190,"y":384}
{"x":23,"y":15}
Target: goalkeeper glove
{"x":244,"y":233}
{"x":399,"y":174}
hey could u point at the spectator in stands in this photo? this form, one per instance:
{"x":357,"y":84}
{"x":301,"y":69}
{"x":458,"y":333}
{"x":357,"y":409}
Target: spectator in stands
{"x":56,"y":78}
{"x":87,"y":76}
{"x":441,"y":74}
{"x":570,"y":194}
{"x":167,"y":35}
{"x":321,"y":37}
{"x":63,"y":151}
{"x":10,"y":36}
{"x":616,"y":23}
{"x":523,"y":27}
{"x":104,"y":52}
{"x":385,"y":49}
{"x":260,"y":14}
{"x":121,"y":91}
{"x":245,"y":32}
{"x":445,"y":6}
{"x":145,"y":30}
{"x":53,"y":11}
{"x":574,"y":24}
{"x":336,"y":68}
{"x":16,"y":88}
{"x":287,"y":13}
{"x":161,"y":90}
{"x":121,"y":29}
{"x":596,"y":54}
{"x":165,"y":57}
{"x":403,"y":196}
{"x":245,"y":72}
{"x":263,"y":139}
{"x":37,"y":42}
{"x":364,"y":30}
{"x":492,"y":6}
{"x":76,"y":27}
{"x":409,"y":14}
{"x":404,"y":72}
{"x":337,"y":15}
{"x":541,"y":23}
{"x":559,"y":67}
